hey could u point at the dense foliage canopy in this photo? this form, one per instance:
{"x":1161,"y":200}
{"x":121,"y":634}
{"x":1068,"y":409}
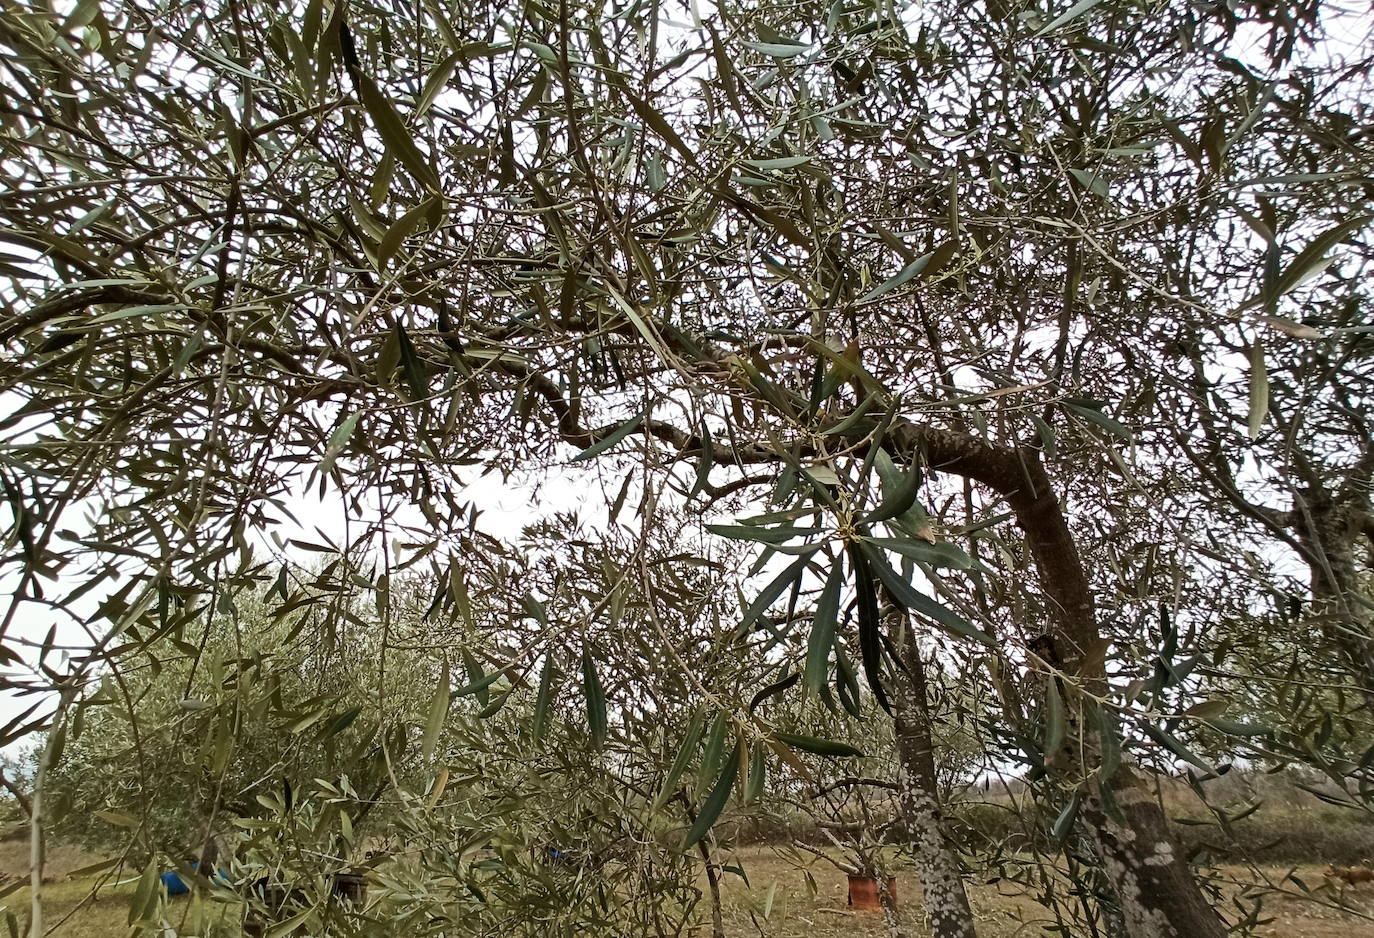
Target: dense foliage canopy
{"x":839,"y":349}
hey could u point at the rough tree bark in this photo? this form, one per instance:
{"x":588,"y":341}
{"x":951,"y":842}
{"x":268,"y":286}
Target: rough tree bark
{"x":889,"y":904}
{"x":1157,"y":892}
{"x":937,"y":863}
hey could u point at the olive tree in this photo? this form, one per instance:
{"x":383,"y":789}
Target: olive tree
{"x":884,"y":280}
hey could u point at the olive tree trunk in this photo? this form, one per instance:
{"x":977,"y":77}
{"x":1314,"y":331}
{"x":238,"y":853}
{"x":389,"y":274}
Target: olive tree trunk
{"x":1157,"y":891}
{"x":937,"y":862}
{"x":1330,"y":529}
{"x":1155,"y":887}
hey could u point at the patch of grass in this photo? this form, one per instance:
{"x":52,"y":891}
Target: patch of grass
{"x":1002,"y":910}
{"x":799,"y":907}
{"x":96,"y":906}
{"x":75,"y":910}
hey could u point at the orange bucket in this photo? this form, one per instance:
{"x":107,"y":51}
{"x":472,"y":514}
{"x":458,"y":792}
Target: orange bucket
{"x":863,"y":892}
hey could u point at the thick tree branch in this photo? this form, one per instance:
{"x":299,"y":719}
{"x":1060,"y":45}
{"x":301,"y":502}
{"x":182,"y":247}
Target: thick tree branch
{"x":16,"y":793}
